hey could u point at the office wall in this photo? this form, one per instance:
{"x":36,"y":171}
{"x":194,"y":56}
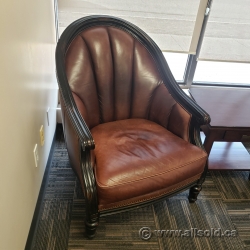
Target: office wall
{"x":27,"y":88}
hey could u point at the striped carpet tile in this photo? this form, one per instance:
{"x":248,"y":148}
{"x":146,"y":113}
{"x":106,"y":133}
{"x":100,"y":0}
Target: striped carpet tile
{"x":52,"y":232}
{"x":54,"y":222}
{"x":239,"y":213}
{"x":120,"y":231}
{"x":202,"y":215}
{"x":209,"y":190}
{"x":224,"y":202}
{"x":232,"y":184}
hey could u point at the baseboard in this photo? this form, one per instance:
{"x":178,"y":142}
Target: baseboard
{"x":36,"y":215}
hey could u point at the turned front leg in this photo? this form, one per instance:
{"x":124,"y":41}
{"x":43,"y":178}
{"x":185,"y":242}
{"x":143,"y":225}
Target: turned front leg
{"x":193,"y":193}
{"x":91,"y":224}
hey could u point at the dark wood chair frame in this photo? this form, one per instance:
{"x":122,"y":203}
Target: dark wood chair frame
{"x":199,"y":116}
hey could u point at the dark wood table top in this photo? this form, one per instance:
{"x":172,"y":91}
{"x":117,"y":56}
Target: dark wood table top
{"x":227,"y":107}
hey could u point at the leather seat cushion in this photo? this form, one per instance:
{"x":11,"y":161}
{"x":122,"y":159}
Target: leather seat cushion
{"x":137,"y":159}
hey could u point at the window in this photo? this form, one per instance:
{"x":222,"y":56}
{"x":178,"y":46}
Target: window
{"x":222,"y":72}
{"x":175,"y":25}
{"x":225,"y":51}
{"x":170,"y":23}
{"x":177,"y":64}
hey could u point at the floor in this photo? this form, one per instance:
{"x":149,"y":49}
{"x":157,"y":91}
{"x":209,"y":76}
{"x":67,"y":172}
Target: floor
{"x":223,"y":203}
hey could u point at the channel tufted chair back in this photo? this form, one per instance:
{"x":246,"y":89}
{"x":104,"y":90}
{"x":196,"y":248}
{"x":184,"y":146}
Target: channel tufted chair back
{"x":114,"y":77}
{"x":132,"y":134}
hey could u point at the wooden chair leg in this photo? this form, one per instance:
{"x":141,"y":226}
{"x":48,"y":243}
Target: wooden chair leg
{"x":249,"y":176}
{"x":193,"y":193}
{"x":91,"y":224}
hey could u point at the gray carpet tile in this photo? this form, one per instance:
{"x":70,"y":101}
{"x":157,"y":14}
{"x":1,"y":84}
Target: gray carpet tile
{"x":209,"y":190}
{"x":114,"y":232}
{"x":224,"y":202}
{"x":54,"y":222}
{"x":202,"y":215}
{"x":239,"y":213}
{"x":54,"y":225}
{"x":232,"y":184}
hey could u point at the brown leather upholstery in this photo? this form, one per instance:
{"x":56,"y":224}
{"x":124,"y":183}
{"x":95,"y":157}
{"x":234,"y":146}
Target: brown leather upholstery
{"x":143,"y":132}
{"x":138,"y":159}
{"x":113,"y":77}
{"x":73,"y":144}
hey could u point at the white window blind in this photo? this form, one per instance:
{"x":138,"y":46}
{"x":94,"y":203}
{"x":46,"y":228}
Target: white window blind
{"x":172,"y":24}
{"x":227,"y":35}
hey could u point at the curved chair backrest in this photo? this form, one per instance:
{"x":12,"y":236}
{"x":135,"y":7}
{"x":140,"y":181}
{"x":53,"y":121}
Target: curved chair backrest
{"x":112,"y":74}
{"x":115,"y":71}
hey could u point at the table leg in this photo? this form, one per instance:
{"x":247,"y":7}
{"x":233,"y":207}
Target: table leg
{"x":208,"y":143}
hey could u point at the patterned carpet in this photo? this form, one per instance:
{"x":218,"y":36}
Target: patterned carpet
{"x":223,"y":203}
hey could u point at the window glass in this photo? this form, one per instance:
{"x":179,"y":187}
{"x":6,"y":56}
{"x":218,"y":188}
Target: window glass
{"x":222,"y":72}
{"x":170,"y":23}
{"x":177,"y":64}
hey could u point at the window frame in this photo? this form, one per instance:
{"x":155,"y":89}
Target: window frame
{"x":192,"y":61}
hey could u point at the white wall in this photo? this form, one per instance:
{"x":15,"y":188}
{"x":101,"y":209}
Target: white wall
{"x":27,"y":88}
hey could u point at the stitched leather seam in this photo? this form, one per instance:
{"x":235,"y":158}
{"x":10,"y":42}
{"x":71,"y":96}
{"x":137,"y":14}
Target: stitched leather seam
{"x":113,"y":72}
{"x":132,"y":81}
{"x":190,"y":114}
{"x":95,"y":78}
{"x":107,"y":187}
{"x":170,"y":113}
{"x":151,"y":98}
{"x":159,"y":71}
{"x":78,"y":97}
{"x":162,"y":194}
{"x":188,"y":128}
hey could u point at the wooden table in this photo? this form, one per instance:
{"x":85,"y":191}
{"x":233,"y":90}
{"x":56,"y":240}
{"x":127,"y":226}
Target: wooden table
{"x":229,"y":109}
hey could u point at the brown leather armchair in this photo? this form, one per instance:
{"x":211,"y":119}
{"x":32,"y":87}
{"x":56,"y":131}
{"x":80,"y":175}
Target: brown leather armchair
{"x":132,"y":134}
